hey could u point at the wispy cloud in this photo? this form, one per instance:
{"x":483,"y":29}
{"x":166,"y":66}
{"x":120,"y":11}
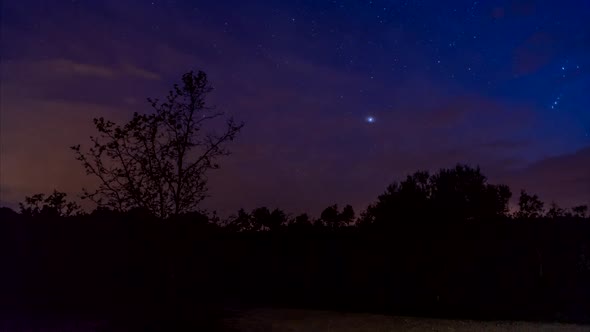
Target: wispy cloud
{"x":75,"y":68}
{"x":69,"y":67}
{"x":564,"y":179}
{"x":140,"y":72}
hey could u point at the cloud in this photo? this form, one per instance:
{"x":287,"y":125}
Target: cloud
{"x":140,"y":72}
{"x":537,"y":51}
{"x":69,"y":67}
{"x":564,"y":179}
{"x":505,"y":144}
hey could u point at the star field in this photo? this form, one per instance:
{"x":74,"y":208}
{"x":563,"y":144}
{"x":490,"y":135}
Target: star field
{"x":339,"y":97}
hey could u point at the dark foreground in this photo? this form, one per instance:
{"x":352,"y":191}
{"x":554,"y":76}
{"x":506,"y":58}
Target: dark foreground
{"x":323,"y":321}
{"x":285,"y":320}
{"x":133,"y":272}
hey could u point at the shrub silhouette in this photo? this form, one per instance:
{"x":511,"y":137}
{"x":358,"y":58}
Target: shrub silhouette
{"x":54,"y":205}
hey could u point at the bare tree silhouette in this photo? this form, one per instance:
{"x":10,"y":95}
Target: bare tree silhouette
{"x":158,"y":161}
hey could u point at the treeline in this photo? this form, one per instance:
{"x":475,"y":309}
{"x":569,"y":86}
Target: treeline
{"x":443,"y":244}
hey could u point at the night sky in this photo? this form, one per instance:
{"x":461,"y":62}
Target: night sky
{"x":339,"y":98}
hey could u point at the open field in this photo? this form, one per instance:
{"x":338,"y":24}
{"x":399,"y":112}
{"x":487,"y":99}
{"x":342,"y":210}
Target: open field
{"x":325,"y":321}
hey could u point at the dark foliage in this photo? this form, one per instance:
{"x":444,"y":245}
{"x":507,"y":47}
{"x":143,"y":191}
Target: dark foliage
{"x":54,"y":205}
{"x":530,"y":206}
{"x":438,"y":245}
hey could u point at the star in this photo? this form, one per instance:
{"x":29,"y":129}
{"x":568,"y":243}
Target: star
{"x":322,"y":62}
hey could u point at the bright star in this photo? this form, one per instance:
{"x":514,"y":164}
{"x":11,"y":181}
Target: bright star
{"x":370,"y":119}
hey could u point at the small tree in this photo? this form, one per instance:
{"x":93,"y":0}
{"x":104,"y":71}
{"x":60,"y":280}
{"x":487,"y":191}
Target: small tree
{"x":580,"y":211}
{"x":54,"y":205}
{"x":529,"y":206}
{"x":329,"y":216}
{"x":278,"y":218}
{"x":263,"y":219}
{"x":158,"y":161}
{"x":260,"y":218}
{"x":555,"y":211}
{"x":301,"y":221}
{"x":347,"y":215}
{"x":241,"y":222}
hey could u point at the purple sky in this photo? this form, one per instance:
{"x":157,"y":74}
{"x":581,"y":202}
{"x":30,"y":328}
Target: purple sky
{"x":500,"y":84}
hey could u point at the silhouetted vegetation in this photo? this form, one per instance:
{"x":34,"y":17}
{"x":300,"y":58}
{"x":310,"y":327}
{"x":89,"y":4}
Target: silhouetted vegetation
{"x":158,"y":161}
{"x":442,"y":244}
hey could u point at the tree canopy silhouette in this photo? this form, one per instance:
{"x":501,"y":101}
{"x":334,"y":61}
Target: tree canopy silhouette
{"x":333,"y":218}
{"x":436,"y":244}
{"x":460,"y":193}
{"x":158,"y":161}
{"x":529,"y":206}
